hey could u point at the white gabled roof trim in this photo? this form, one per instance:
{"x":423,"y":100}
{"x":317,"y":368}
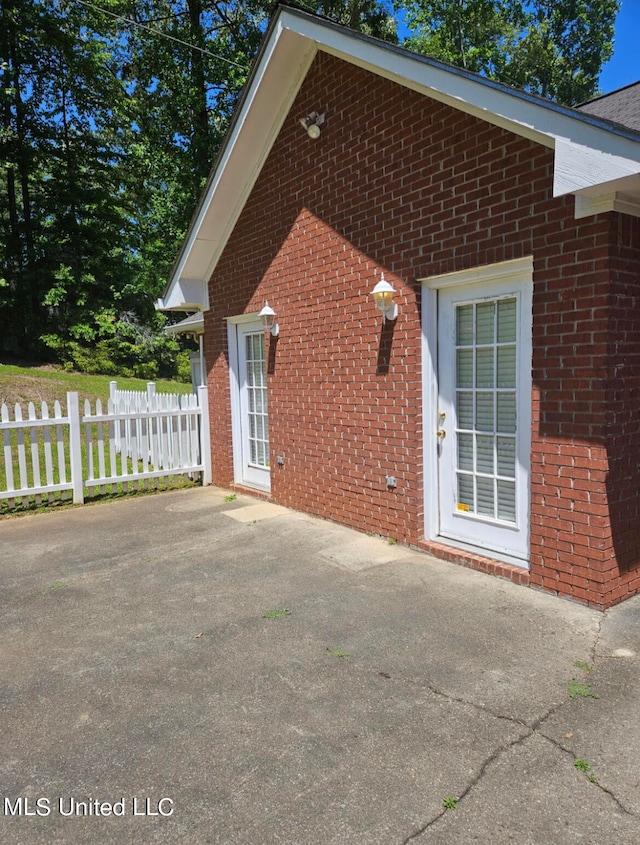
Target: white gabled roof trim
{"x":593,"y":159}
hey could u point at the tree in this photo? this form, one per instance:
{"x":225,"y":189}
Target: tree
{"x":113,"y":111}
{"x":555,"y":48}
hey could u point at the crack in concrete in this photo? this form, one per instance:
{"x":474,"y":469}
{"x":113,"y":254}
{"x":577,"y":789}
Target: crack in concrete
{"x":533,"y":729}
{"x":595,"y":782}
{"x":598,"y":634}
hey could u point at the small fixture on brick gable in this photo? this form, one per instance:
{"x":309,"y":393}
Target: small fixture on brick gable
{"x":383,"y":298}
{"x":268,"y":317}
{"x":312,"y":123}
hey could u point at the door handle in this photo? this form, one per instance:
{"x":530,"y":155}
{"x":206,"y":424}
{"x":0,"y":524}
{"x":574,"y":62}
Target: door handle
{"x":441,"y":433}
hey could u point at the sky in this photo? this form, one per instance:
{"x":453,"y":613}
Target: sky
{"x":624,"y":67}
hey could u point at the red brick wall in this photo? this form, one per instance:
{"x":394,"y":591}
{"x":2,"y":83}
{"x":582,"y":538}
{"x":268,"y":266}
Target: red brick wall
{"x":622,"y":555}
{"x":405,"y":184}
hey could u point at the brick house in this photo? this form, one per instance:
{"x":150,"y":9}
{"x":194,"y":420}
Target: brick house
{"x":494,"y":420}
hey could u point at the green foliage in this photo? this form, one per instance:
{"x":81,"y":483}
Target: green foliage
{"x":116,"y":345}
{"x":108,"y":132}
{"x":449,"y":802}
{"x":338,"y":652}
{"x":57,"y":585}
{"x":277,"y":613}
{"x":578,"y":689}
{"x":183,"y":367}
{"x":555,"y":48}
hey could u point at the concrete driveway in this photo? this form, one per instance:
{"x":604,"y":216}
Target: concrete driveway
{"x":181,"y":669}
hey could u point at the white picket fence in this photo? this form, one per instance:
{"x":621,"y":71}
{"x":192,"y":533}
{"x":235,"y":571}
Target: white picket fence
{"x":138,"y":439}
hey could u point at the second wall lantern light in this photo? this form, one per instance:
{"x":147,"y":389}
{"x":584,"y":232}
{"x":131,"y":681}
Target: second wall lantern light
{"x":383,"y":298}
{"x":268,"y":317}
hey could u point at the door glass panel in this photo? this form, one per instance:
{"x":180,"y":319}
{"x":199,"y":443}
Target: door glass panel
{"x":507,"y":500}
{"x":464,"y":325}
{"x":465,"y":409}
{"x":484,"y":454}
{"x":484,"y":411}
{"x":507,"y":412}
{"x":465,"y":452}
{"x":465,"y":492}
{"x":506,"y":456}
{"x":485,"y":503}
{"x":258,"y":427}
{"x":506,"y":366}
{"x":465,"y":367}
{"x":486,"y":355}
{"x":484,"y":367}
{"x":484,"y":322}
{"x":507,"y":320}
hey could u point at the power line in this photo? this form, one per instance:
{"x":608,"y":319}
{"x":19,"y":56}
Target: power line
{"x":161,"y":34}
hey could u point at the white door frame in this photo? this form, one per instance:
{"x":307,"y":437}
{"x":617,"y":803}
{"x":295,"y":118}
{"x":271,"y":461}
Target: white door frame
{"x":246,"y":322}
{"x":520,"y":273}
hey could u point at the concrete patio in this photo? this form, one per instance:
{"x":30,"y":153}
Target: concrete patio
{"x":385,"y":697}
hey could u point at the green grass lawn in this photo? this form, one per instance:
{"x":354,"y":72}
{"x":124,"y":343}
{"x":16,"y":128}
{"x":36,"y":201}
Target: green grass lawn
{"x":46,"y":384}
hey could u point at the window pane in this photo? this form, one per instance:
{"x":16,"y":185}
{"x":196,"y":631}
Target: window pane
{"x":484,"y":367}
{"x":465,"y":409}
{"x":507,"y":412}
{"x":464,"y":368}
{"x":507,"y":500}
{"x":465,"y":491}
{"x":464,"y":325}
{"x":484,"y":322}
{"x":506,"y":453}
{"x":465,"y":452}
{"x":506,"y":366}
{"x":484,"y":411}
{"x":484,"y":454}
{"x":507,"y":320}
{"x":485,"y":496}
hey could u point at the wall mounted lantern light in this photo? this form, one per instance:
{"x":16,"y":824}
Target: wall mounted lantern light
{"x":312,"y":123}
{"x":268,"y":317}
{"x":383,"y":298}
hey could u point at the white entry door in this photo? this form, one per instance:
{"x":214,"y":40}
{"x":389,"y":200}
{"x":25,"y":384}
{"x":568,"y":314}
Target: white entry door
{"x":249,"y":406}
{"x":483,"y":411}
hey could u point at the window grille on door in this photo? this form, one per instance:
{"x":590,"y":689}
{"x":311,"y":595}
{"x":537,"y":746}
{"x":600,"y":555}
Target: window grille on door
{"x":257,"y":400}
{"x":486,"y":408}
